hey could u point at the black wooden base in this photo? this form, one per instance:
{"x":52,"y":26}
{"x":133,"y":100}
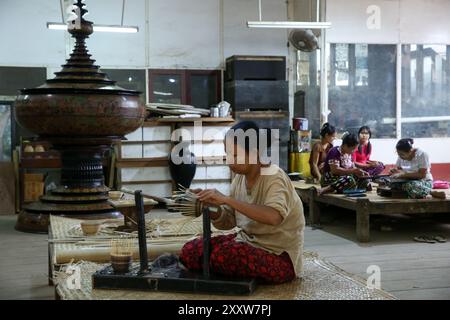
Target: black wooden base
{"x":172,"y":279}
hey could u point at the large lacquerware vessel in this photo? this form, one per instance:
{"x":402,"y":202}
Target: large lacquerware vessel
{"x":82,"y":113}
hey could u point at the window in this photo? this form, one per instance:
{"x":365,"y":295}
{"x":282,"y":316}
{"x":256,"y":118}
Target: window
{"x":203,"y":88}
{"x":361,"y":89}
{"x":12,"y":79}
{"x":199,"y":88}
{"x":5,"y":131}
{"x":425,"y":91}
{"x":340,"y":64}
{"x":362,"y":69}
{"x":131,"y":79}
{"x":307,"y":95}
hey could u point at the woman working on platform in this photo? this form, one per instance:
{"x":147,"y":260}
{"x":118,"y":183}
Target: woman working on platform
{"x":361,"y":156}
{"x":413,"y":164}
{"x":320,"y":149}
{"x":266,"y":208}
{"x":340,"y":172}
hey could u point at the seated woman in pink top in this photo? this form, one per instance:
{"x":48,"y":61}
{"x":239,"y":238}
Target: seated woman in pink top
{"x":361,"y":156}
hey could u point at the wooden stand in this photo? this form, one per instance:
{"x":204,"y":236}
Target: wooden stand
{"x":369,"y":205}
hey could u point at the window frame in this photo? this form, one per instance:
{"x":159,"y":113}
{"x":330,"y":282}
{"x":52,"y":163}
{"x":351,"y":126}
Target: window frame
{"x":327,"y":56}
{"x":186,"y":83}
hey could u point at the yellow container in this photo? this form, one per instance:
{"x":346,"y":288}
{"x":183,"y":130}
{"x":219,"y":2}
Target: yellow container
{"x":33,"y":190}
{"x":292,"y":162}
{"x":303,"y":164}
{"x":33,"y":186}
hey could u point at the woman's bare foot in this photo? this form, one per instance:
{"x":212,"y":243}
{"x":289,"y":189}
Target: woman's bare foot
{"x":327,"y":189}
{"x":438,"y":194}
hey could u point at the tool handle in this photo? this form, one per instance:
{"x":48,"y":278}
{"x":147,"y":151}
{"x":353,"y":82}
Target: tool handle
{"x":149,"y":196}
{"x":206,"y":241}
{"x":142,"y":236}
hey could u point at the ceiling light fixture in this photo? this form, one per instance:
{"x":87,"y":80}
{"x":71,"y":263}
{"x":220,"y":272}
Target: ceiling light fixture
{"x":286,"y":24}
{"x":97,"y":27}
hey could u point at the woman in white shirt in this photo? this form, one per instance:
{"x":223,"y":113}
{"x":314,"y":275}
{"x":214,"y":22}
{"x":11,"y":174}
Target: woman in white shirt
{"x":414,"y":164}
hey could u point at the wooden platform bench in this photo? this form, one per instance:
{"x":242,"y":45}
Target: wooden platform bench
{"x":366,"y":206}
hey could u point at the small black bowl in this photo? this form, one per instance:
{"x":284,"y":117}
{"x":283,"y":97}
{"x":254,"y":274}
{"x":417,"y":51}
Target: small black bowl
{"x":294,"y":176}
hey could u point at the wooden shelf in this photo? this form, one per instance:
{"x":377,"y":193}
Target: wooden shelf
{"x":142,"y":162}
{"x":40,"y":163}
{"x":128,"y":142}
{"x":159,"y":162}
{"x":170,"y":181}
{"x":182,"y":120}
{"x":162,"y":163}
{"x":204,"y":141}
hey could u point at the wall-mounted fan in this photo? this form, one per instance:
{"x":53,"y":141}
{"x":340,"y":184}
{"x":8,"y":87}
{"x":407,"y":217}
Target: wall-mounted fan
{"x":304,"y":39}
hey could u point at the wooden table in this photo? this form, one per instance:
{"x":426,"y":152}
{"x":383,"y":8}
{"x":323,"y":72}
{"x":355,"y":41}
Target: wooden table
{"x":366,"y":206}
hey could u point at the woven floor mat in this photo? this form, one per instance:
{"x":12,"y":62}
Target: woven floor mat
{"x":321,"y":281}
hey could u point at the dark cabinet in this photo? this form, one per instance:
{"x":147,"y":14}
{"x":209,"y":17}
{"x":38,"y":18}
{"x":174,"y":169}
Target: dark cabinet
{"x":199,"y":88}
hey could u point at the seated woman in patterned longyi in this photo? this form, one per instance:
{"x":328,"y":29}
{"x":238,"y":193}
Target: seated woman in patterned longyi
{"x":340,"y":173}
{"x":413,"y":165}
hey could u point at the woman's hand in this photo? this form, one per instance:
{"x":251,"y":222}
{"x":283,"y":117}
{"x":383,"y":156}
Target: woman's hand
{"x":317,"y":180}
{"x":360,"y":173}
{"x":212,"y":196}
{"x":373,"y":164}
{"x":394,"y":171}
{"x":397,"y":175}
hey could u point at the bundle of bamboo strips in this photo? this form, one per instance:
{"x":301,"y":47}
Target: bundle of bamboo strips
{"x":186,"y":202}
{"x":121,"y":246}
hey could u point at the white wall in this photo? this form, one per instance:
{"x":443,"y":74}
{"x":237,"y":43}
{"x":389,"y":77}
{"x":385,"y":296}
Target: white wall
{"x":437,"y":149}
{"x":117,"y":49}
{"x":241,"y":40}
{"x":349,"y":17}
{"x":197,"y":34}
{"x":384,"y":149}
{"x":426,"y":21}
{"x":405,"y":21}
{"x":25,"y":40}
{"x":185,"y":34}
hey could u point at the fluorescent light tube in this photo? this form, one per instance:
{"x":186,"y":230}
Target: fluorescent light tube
{"x":288,"y":24}
{"x":97,"y":27}
{"x":56,"y":26}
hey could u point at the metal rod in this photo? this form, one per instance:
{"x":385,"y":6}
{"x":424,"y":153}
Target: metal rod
{"x":123,"y":12}
{"x":206,"y":242}
{"x":398,"y":92}
{"x":141,"y":231}
{"x":317,"y":10}
{"x":62,"y":11}
{"x":149,"y":196}
{"x":259,"y":10}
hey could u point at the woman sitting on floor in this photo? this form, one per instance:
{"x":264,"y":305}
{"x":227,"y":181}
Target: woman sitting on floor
{"x":320,"y":149}
{"x":361,"y":156}
{"x":340,"y":172}
{"x":264,"y":205}
{"x":413,"y":164}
